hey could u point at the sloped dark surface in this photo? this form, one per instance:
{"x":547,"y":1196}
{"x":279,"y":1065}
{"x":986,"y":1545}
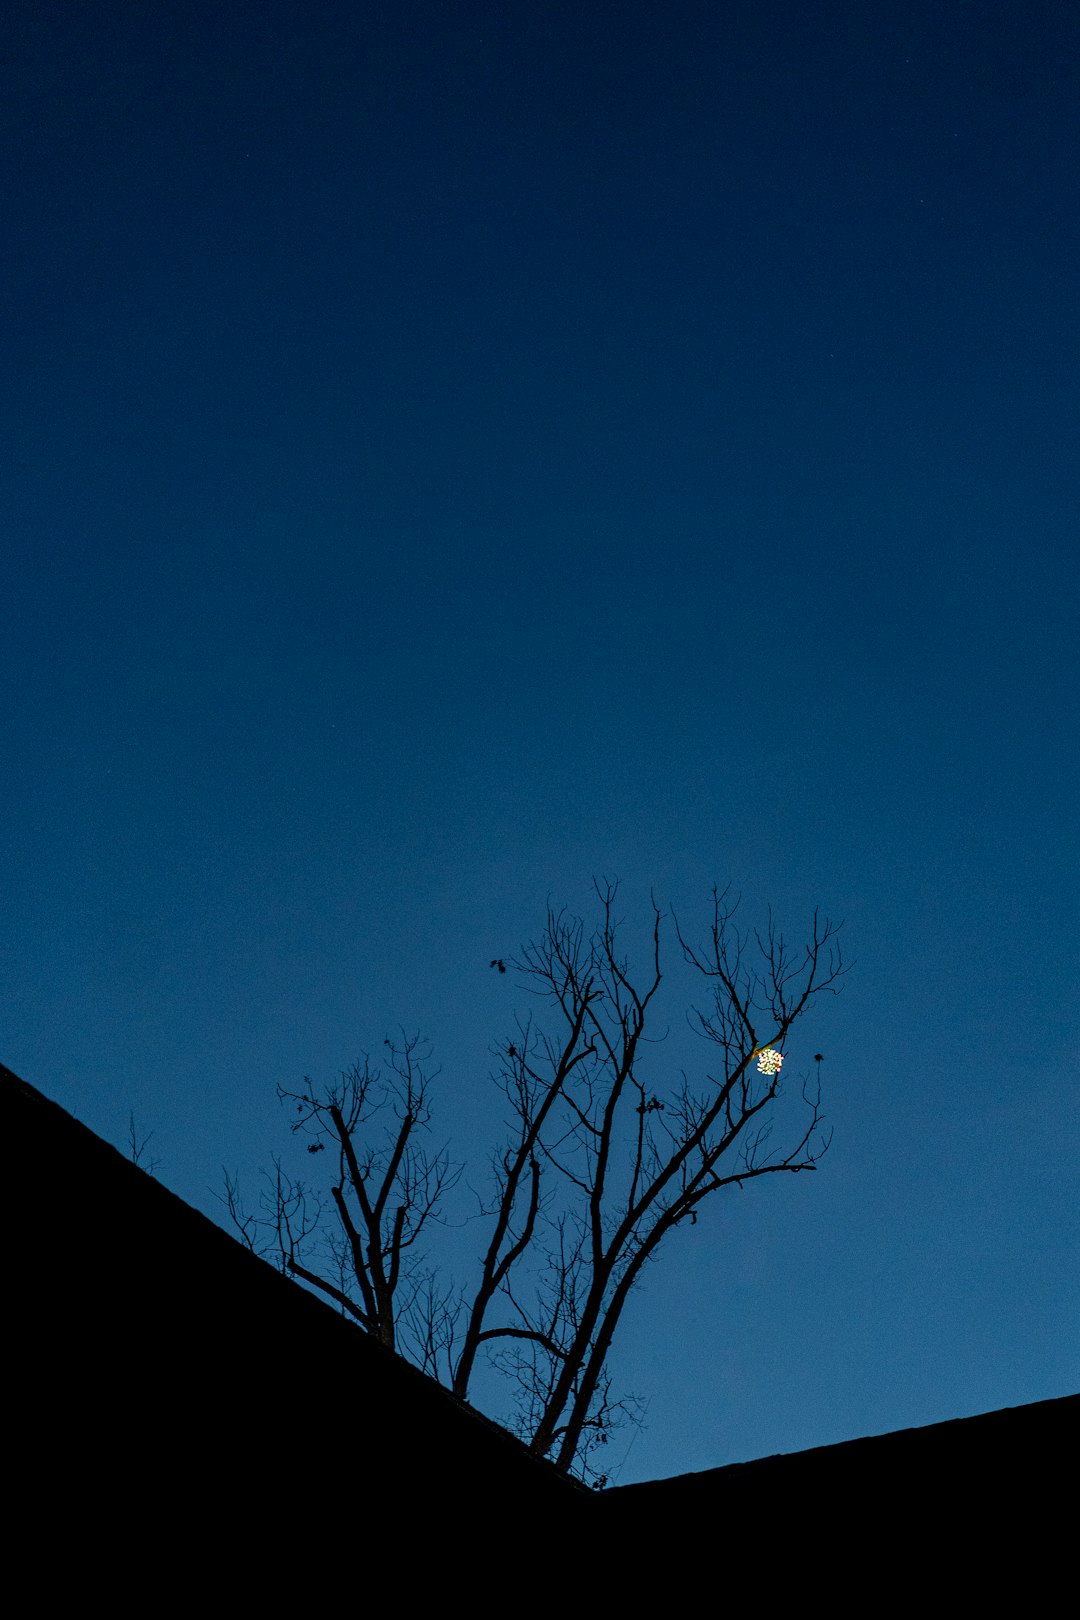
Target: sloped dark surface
{"x":181,"y":1420}
{"x":964,"y":1454}
{"x":167,"y":1390}
{"x":976,"y":1507}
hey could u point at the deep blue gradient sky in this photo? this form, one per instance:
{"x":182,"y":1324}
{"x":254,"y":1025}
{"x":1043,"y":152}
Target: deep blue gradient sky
{"x":453,"y":450}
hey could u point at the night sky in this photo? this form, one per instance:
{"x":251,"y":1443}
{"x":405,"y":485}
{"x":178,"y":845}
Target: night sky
{"x":453,"y":451}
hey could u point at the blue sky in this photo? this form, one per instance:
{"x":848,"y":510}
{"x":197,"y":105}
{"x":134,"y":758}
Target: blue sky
{"x":457,"y":450}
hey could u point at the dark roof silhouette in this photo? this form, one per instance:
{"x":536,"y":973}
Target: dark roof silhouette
{"x":158,"y":1370}
{"x":975,"y":1463}
{"x":178,"y":1412}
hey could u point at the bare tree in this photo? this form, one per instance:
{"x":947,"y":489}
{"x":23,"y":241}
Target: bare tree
{"x":598,"y":1171}
{"x":384,"y":1196}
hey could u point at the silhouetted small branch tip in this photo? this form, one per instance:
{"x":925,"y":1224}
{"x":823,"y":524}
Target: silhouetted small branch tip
{"x":137,"y":1149}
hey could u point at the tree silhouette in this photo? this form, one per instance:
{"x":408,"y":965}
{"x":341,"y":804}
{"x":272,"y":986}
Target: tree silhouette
{"x":599,"y":1169}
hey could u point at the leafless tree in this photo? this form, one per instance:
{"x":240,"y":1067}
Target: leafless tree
{"x":384,"y":1197}
{"x":598,"y":1171}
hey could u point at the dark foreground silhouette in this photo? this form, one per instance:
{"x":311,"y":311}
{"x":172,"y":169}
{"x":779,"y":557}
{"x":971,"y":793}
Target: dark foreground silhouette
{"x":182,"y":1423}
